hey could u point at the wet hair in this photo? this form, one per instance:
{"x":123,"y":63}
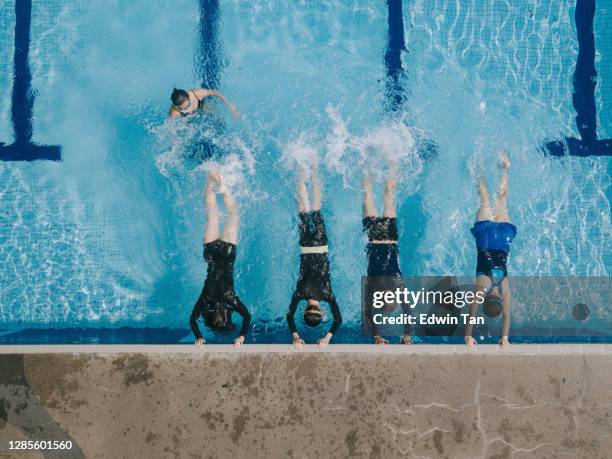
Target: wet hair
{"x":492,"y":306}
{"x":178,"y":97}
{"x":313,"y":315}
{"x":219,"y":318}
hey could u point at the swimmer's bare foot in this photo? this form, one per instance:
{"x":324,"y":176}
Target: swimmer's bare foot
{"x":406,"y":339}
{"x":469,"y":341}
{"x":504,"y":343}
{"x":504,"y":161}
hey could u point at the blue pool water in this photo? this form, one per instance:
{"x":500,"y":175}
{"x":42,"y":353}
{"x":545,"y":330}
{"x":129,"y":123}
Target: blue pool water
{"x":110,"y":236}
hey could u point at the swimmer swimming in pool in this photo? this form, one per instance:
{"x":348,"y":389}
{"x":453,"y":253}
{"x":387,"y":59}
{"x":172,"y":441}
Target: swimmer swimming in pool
{"x":218,"y":299}
{"x":186,"y":103}
{"x":493,"y":233}
{"x":314,"y":283}
{"x":384,"y":271}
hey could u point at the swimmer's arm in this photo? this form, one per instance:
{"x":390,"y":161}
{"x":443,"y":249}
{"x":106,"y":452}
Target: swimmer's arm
{"x":291,"y":314}
{"x":335,"y":310}
{"x":370,"y":321}
{"x":472,"y":312}
{"x":408,"y":329}
{"x":193,"y":321}
{"x":173,"y":113}
{"x":201,"y":93}
{"x":506,"y":319}
{"x":241,"y":309}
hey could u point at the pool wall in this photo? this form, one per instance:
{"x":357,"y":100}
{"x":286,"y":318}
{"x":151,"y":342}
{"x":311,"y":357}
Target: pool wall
{"x":531,"y":402}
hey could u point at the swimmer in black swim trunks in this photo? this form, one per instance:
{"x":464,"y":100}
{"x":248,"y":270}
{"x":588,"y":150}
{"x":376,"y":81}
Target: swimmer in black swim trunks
{"x":314,"y":284}
{"x":188,"y":102}
{"x":494,"y":233}
{"x":384,"y":271}
{"x":218,"y":299}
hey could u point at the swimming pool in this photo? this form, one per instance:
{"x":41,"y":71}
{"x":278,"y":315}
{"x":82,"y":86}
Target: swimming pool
{"x":110,"y":236}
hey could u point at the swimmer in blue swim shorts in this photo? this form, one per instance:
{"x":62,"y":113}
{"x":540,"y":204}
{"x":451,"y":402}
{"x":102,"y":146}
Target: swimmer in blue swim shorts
{"x":493,"y":233}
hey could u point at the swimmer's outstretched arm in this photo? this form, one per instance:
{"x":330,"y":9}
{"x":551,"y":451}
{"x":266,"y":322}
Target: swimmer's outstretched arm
{"x":241,"y":309}
{"x":473,"y":308}
{"x":333,"y":304}
{"x":297,"y":341}
{"x":506,"y":300}
{"x":193,"y":322}
{"x":202,"y":92}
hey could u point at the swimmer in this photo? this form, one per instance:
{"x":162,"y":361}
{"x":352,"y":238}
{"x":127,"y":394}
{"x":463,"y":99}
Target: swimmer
{"x":314,"y":284}
{"x":384,"y":271}
{"x":493,"y":233}
{"x":188,"y":102}
{"x":218,"y":299}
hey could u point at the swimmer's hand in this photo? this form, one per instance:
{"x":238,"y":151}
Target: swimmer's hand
{"x":199,"y":343}
{"x":233,"y":111}
{"x":504,"y":162}
{"x":405,"y":339}
{"x":238,"y":341}
{"x":504,"y":343}
{"x":325,"y":340}
{"x":469,"y":341}
{"x":297,"y":342}
{"x":380,"y":340}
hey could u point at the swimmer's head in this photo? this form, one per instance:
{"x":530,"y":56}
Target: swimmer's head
{"x":313,"y":314}
{"x":219,"y":318}
{"x":180,"y":99}
{"x":492,"y":305}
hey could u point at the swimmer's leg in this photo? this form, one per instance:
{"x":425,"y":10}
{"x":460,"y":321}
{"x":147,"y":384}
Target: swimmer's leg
{"x":303,"y":203}
{"x":390,"y":210}
{"x":501,"y":203}
{"x":317,"y":193}
{"x":211,"y":232}
{"x":230,"y":229}
{"x":484,"y":212}
{"x":369,"y":208}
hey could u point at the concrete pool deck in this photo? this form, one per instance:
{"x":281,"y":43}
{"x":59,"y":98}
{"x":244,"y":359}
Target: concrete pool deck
{"x":345,"y":401}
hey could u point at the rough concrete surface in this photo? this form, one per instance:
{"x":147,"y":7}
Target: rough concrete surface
{"x":222,"y":405}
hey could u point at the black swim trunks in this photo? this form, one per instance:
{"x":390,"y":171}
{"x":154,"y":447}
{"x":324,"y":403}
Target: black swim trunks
{"x":312,"y":229}
{"x":380,"y":228}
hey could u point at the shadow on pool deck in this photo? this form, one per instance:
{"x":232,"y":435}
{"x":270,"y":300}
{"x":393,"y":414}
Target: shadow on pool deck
{"x":220,"y":404}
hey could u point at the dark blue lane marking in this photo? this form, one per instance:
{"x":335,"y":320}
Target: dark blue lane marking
{"x":394,"y":91}
{"x":585,"y":81}
{"x":393,"y":56}
{"x":23,"y":97}
{"x":208,"y":65}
